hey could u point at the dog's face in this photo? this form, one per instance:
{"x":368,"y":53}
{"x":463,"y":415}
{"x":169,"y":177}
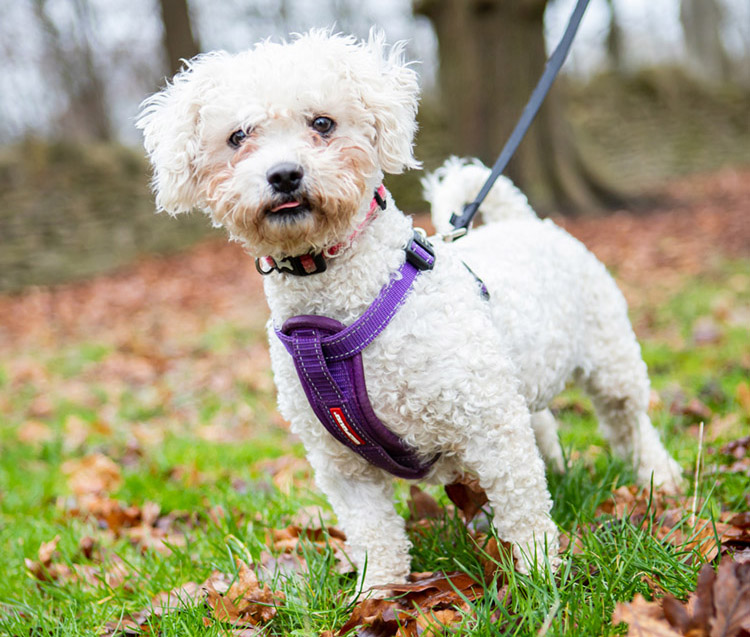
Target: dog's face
{"x":281,"y":144}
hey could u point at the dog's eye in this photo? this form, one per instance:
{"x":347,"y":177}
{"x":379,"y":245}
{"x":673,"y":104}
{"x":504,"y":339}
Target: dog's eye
{"x":323,"y":125}
{"x":236,"y":138}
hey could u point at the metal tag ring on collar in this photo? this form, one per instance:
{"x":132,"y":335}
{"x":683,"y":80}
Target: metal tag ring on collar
{"x":259,"y":268}
{"x":332,"y":255}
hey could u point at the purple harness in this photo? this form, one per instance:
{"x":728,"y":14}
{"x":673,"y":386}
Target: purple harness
{"x":328,"y":359}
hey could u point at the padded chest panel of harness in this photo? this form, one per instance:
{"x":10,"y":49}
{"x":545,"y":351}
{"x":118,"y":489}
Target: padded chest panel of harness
{"x":327,"y":357}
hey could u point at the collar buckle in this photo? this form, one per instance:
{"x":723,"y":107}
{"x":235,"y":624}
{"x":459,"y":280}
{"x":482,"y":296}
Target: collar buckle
{"x":303,"y":265}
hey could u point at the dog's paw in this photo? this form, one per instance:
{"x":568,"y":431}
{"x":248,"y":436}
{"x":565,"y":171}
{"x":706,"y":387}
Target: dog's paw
{"x":666,"y":477}
{"x":539,"y":553}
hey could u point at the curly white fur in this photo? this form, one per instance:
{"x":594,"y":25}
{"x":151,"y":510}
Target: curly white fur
{"x":452,"y":373}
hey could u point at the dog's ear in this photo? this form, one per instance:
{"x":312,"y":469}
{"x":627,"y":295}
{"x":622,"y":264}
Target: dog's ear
{"x":392,"y":98}
{"x":170,"y":121}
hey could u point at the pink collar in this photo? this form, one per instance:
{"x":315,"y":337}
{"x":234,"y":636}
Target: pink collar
{"x":378,"y":202}
{"x":313,"y":263}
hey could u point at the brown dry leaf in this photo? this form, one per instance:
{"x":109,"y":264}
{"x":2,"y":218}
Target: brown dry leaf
{"x":287,"y":541}
{"x":436,"y":622}
{"x":111,"y":570}
{"x":110,"y":514}
{"x":75,"y":432}
{"x":694,"y":410}
{"x":719,"y":607}
{"x":127,"y":626}
{"x":423,"y":606}
{"x":644,"y":618}
{"x":635,"y":502}
{"x":243,"y":603}
{"x":143,"y":526}
{"x":34,"y":432}
{"x":167,"y":601}
{"x":86,"y":546}
{"x":566,"y":540}
{"x":287,"y":472}
{"x":246,"y":603}
{"x":468,"y":496}
{"x":722,"y":427}
{"x":439,"y":588}
{"x":376,"y":617}
{"x":731,"y":594}
{"x":44,"y":569}
{"x":47,"y":549}
{"x":737,"y":448}
{"x":672,"y":523}
{"x":92,"y":474}
{"x":706,"y":331}
{"x":493,"y":555}
{"x":422,"y":506}
{"x":162,"y":604}
{"x":742,"y":394}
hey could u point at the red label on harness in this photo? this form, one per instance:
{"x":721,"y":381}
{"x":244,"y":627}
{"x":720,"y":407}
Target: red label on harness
{"x":344,"y":426}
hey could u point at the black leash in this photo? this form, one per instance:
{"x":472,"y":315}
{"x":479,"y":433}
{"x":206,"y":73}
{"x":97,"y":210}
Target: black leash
{"x":461,"y":223}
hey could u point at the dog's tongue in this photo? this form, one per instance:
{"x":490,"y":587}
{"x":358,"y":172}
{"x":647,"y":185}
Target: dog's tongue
{"x":284,"y":206}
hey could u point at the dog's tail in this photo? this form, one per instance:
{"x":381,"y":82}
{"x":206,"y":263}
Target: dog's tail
{"x":458,"y":182}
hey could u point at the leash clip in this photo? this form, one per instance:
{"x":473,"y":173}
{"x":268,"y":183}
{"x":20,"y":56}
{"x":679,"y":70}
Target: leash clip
{"x":454,"y":234}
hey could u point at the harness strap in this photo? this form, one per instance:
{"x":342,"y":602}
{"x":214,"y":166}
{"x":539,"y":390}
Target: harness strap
{"x":328,"y":360}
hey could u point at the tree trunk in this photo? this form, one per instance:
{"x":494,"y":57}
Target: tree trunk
{"x":179,"y":42}
{"x":614,"y":41}
{"x":701,"y":24}
{"x":72,"y":57}
{"x":492,"y":53}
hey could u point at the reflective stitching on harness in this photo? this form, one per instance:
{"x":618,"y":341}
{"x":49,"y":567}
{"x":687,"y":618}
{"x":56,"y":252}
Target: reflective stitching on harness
{"x":329,"y":381}
{"x":370,"y":338}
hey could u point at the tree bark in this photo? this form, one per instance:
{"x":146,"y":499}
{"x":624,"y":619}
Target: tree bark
{"x":80,"y":79}
{"x":614,"y":40}
{"x":492,"y":53}
{"x":701,"y":24}
{"x":179,"y":41}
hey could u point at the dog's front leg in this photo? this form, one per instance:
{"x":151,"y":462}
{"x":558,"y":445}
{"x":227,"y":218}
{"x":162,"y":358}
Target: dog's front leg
{"x":362,"y":499}
{"x":506,"y":460}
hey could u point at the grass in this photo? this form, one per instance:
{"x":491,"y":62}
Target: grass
{"x":214,"y":449}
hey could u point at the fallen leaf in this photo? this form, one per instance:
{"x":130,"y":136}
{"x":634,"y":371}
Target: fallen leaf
{"x":731,"y":600}
{"x":695,"y":410}
{"x":426,"y":605}
{"x":92,"y":474}
{"x":706,"y":331}
{"x":493,"y":556}
{"x":468,"y":496}
{"x":287,"y":541}
{"x":34,"y":432}
{"x":246,"y":603}
{"x":422,"y":506}
{"x":742,"y":394}
{"x":737,"y":448}
{"x":644,"y":618}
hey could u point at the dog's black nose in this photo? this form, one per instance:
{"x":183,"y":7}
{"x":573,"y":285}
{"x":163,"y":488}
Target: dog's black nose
{"x":285,"y":177}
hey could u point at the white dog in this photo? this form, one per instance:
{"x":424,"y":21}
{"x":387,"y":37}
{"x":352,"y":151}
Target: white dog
{"x":284,"y":145}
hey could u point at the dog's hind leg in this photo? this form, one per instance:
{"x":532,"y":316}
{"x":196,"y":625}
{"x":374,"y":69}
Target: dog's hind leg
{"x":619,"y":388}
{"x":544,"y":425}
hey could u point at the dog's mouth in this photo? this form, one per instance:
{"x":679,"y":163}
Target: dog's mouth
{"x":288,"y":211}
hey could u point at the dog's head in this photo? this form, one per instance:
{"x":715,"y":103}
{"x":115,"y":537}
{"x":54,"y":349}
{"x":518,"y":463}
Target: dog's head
{"x":282,"y":144}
